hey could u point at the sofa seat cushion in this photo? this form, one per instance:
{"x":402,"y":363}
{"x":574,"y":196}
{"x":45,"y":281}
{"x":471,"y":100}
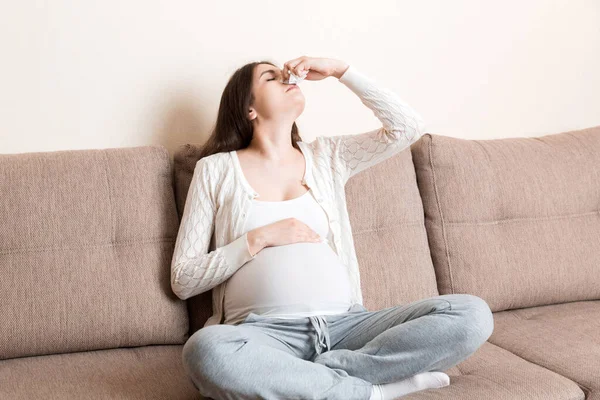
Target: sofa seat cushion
{"x":149,"y":372}
{"x":564,"y":338}
{"x":156,"y":372}
{"x":494,"y":373}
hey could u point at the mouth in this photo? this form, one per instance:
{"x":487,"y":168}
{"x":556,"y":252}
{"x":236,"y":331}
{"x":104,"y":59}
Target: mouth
{"x":292,"y":87}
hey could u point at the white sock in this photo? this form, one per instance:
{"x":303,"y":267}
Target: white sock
{"x":422,"y":381}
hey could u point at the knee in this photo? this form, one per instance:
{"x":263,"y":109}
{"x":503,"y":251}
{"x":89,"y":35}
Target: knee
{"x":478,"y":318}
{"x":477,"y":322}
{"x":203,"y":352}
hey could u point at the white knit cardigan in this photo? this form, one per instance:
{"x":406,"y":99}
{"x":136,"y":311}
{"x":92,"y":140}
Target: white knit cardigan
{"x":210,"y":245}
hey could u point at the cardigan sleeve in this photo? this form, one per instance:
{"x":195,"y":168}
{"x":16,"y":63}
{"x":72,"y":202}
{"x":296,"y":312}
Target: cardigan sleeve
{"x":401,"y":126}
{"x":195,"y":269}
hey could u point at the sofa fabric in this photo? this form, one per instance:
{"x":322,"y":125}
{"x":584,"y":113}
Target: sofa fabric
{"x":141,"y":373}
{"x":514,"y":221}
{"x":85,"y":248}
{"x":494,"y":373}
{"x":388,"y":227}
{"x":564,"y":338}
{"x":156,"y":372}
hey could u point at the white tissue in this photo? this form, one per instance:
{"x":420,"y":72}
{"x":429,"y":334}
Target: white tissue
{"x":295,"y":78}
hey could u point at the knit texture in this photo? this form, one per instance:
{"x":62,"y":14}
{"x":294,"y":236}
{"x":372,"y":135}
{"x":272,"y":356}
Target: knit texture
{"x":211,"y":245}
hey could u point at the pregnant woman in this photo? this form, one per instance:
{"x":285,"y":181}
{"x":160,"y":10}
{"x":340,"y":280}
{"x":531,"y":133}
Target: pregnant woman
{"x":265,"y":226}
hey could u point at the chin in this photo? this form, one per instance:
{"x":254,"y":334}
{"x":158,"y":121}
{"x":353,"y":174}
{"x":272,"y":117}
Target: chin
{"x":300,"y":108}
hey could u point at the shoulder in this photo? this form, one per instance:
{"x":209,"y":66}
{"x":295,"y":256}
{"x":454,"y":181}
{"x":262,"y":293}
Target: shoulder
{"x":214,"y":163}
{"x":210,"y":171}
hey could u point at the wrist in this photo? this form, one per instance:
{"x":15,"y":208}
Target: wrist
{"x":339,"y":70}
{"x":256,"y":240}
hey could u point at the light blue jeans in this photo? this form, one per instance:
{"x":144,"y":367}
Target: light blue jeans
{"x":335,"y":356}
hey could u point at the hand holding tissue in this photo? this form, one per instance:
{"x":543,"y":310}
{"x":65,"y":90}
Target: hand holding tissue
{"x":294,"y":79}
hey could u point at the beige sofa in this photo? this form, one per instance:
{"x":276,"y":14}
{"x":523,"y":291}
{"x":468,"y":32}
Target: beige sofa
{"x":87,"y":236}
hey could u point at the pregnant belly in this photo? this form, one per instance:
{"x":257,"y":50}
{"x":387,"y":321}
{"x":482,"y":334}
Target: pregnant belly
{"x":298,"y":276}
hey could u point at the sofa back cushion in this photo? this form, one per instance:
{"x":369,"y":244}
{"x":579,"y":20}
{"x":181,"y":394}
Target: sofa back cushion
{"x":388,"y":229}
{"x":516,"y":220}
{"x":386,"y":215}
{"x":86,"y":242}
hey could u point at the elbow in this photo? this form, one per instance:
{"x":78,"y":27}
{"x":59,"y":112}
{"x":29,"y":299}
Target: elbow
{"x":176,"y":287}
{"x":408,"y":132}
{"x":179,"y":292}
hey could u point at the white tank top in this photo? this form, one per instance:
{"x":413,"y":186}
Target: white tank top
{"x":289,"y":281}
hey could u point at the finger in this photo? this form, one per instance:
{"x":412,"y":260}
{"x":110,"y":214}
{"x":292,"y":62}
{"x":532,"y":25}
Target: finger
{"x":307,"y":238}
{"x":302,"y":68}
{"x":292,"y":64}
{"x":285,"y":72}
{"x":308,"y":235}
{"x":312,"y":238}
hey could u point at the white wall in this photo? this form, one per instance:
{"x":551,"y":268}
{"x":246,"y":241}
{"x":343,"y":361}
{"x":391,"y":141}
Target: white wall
{"x":91,"y":74}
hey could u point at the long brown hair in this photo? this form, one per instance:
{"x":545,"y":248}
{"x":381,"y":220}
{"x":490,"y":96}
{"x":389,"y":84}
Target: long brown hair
{"x":233,"y":130}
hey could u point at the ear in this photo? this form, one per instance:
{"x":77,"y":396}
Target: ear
{"x":251,"y":114}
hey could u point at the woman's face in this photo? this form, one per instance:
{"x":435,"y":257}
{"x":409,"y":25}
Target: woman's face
{"x":272,"y":98}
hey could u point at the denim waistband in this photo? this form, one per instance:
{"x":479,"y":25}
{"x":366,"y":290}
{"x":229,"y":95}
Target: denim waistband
{"x":322,"y":333}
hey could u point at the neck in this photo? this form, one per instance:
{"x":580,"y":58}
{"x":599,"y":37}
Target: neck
{"x":272,"y":140}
